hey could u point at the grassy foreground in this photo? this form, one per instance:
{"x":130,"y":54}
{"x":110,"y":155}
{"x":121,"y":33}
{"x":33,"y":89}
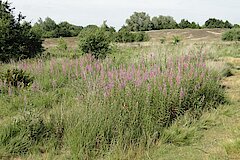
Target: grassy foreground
{"x":146,"y":102}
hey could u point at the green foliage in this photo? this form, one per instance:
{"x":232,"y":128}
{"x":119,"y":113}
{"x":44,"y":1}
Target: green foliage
{"x":62,"y":45}
{"x":139,"y":21}
{"x":216,"y":23}
{"x":24,"y":134}
{"x":137,"y":117}
{"x":68,"y":30}
{"x":49,"y":29}
{"x":46,"y":29}
{"x":228,"y":25}
{"x":95,"y":125}
{"x":109,"y":31}
{"x":124,"y":36}
{"x":176,"y":40}
{"x":91,"y":27}
{"x":17,"y":40}
{"x":231,"y":35}
{"x":163,"y":22}
{"x":16,"y":78}
{"x":141,"y":37}
{"x":106,"y":28}
{"x":95,"y":42}
{"x":236,"y":26}
{"x":186,"y":24}
{"x":195,"y":26}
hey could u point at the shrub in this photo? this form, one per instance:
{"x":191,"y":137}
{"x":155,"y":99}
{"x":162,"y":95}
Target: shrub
{"x":141,"y":37}
{"x":16,"y":78}
{"x":231,"y":35}
{"x":125,"y":35}
{"x":95,"y":42}
{"x":17,"y":40}
{"x":176,"y":40}
{"x":62,"y":45}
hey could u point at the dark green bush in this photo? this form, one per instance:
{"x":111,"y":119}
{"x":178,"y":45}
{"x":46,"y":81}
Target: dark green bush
{"x":124,"y":36}
{"x":186,"y":24}
{"x":16,"y":78}
{"x":17,"y":41}
{"x":231,"y":35}
{"x":164,"y":22}
{"x":141,"y":37}
{"x":217,"y":23}
{"x":94,"y":41}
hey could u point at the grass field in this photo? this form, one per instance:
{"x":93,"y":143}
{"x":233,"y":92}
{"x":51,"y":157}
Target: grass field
{"x":149,"y":100}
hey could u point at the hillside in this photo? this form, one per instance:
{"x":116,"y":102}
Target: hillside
{"x":194,"y":35}
{"x":188,"y":34}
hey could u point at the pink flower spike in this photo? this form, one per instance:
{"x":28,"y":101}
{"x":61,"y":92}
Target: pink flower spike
{"x":181,"y":93}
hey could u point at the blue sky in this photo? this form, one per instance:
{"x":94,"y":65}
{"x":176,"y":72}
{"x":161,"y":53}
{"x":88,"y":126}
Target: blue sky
{"x":84,"y":12}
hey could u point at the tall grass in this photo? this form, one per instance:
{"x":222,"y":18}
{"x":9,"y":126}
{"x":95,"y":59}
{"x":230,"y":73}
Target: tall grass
{"x":105,"y":106}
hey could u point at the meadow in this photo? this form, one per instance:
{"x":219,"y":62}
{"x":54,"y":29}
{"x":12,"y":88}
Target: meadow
{"x":146,"y":100}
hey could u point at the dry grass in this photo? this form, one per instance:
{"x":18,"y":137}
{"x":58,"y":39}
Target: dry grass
{"x":192,"y":35}
{"x":188,"y":34}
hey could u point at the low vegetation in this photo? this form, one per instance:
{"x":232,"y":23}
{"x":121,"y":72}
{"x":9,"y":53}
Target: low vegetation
{"x":95,"y":42}
{"x":105,"y":100}
{"x":94,"y":108}
{"x":231,"y":35}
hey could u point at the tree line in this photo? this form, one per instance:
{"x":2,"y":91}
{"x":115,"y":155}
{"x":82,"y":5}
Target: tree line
{"x":48,"y":28}
{"x":141,"y":21}
{"x":138,"y":21}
